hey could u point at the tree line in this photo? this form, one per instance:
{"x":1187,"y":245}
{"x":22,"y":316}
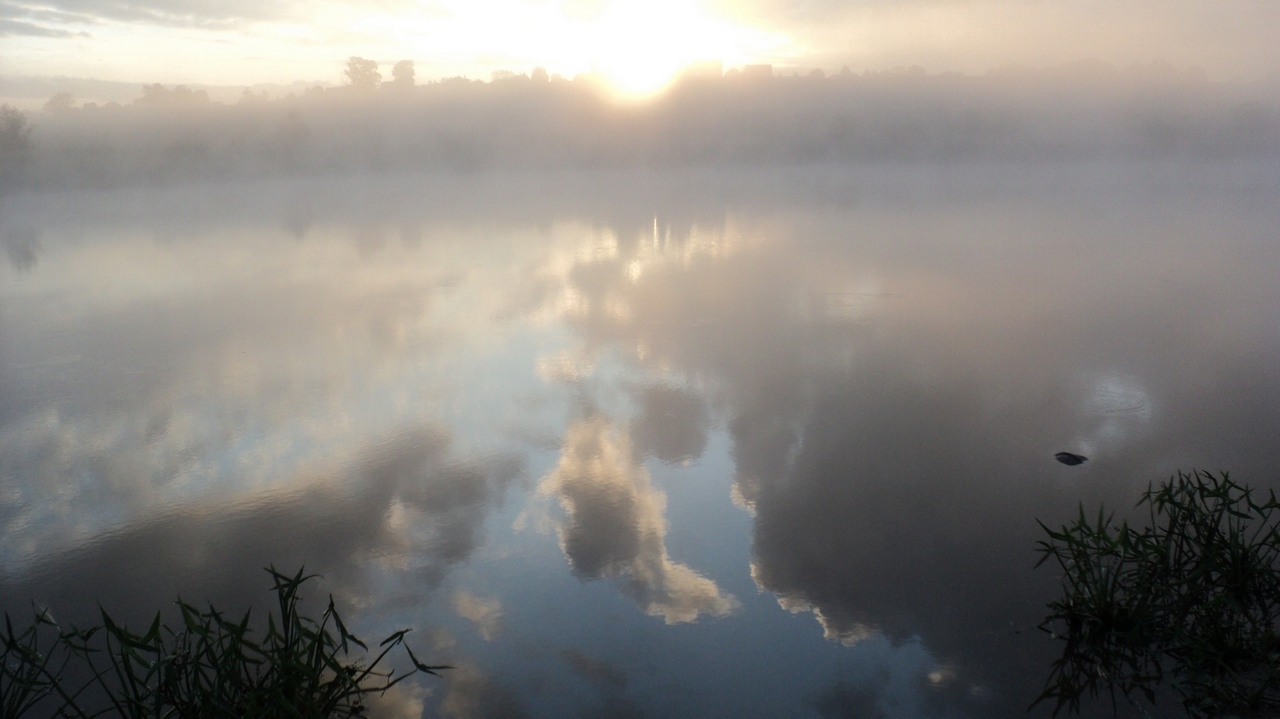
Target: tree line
{"x":539,"y":121}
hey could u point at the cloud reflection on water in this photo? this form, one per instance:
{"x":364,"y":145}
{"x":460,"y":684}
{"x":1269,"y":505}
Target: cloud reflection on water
{"x":672,"y":424}
{"x":615,"y":526}
{"x":408,"y":510}
{"x":895,"y":458}
{"x":889,"y":368}
{"x":227,"y":368}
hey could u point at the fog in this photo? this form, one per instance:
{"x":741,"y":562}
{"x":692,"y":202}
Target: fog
{"x":891,"y":474}
{"x":743,"y":118}
{"x":740,"y":399}
{"x":696,"y":441}
{"x":280,"y":41}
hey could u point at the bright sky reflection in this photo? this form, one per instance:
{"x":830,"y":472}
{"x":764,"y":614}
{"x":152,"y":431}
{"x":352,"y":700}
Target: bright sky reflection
{"x":525,"y":417}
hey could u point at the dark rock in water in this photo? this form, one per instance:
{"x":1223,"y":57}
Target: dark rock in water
{"x":1070,"y":459}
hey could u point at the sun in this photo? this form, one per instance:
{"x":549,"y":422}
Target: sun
{"x":636,"y":47}
{"x":639,"y":47}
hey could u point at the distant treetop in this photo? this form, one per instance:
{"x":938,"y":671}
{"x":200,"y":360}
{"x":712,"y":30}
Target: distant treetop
{"x":157,"y":94}
{"x":402,"y":74}
{"x":362,"y":74}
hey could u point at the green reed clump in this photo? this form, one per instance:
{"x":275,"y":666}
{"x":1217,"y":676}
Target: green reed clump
{"x":29,"y":667}
{"x":1190,"y":601}
{"x":208,"y":667}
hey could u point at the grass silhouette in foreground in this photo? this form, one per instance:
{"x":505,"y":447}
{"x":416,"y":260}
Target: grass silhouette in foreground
{"x":210,"y":666}
{"x":1190,"y":601}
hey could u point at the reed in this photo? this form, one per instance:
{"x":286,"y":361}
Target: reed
{"x":1189,"y":602}
{"x":209,"y":666}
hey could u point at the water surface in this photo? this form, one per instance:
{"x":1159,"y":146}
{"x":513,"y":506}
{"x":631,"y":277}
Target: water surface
{"x":668,"y":445}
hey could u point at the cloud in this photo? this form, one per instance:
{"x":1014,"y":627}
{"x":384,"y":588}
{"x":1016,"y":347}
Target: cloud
{"x":10,"y":27}
{"x":897,"y":459}
{"x":402,"y":701}
{"x":858,"y":701}
{"x":895,"y":462}
{"x":910,"y":691}
{"x":609,"y":682}
{"x":406,"y":504}
{"x":615,"y":526}
{"x":164,"y":396}
{"x":980,"y":35}
{"x":486,"y":614}
{"x":179,"y":13}
{"x":473,"y":694}
{"x":597,"y":672}
{"x":672,"y":424}
{"x":41,"y":13}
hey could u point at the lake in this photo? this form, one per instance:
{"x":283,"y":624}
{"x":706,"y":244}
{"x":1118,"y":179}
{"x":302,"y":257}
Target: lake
{"x":672,"y":444}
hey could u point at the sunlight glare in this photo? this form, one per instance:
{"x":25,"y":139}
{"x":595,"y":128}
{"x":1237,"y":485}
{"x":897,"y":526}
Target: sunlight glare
{"x":636,"y":48}
{"x":640,"y":47}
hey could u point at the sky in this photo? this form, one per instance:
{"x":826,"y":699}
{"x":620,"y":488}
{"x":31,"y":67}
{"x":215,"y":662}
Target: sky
{"x":635,"y":44}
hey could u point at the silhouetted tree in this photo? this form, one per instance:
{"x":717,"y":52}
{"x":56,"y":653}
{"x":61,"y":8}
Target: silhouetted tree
{"x":61,"y":102}
{"x":15,"y":146}
{"x":402,"y":74}
{"x":362,"y":74}
{"x":539,"y":74}
{"x":249,"y":97}
{"x":157,"y":94}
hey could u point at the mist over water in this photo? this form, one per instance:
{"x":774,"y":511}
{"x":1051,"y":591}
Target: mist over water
{"x":728,"y":393}
{"x":752,"y":117}
{"x":768,"y":442}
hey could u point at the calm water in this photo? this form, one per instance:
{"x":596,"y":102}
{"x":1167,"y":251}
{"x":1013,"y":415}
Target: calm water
{"x":664,"y":446}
